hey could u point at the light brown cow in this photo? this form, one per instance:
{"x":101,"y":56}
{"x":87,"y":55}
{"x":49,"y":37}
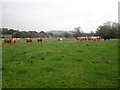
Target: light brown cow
{"x":90,"y":38}
{"x":28,"y":40}
{"x":14,"y":40}
{"x":94,"y":38}
{"x":39,"y":40}
{"x":81,"y":38}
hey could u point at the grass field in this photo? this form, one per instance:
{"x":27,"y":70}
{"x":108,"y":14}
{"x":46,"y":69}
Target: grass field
{"x":64,"y":64}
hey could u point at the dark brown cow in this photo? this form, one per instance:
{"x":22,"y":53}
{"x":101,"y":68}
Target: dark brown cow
{"x":39,"y":40}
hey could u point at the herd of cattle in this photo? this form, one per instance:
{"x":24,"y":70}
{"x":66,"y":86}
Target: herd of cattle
{"x":93,"y":38}
{"x":39,"y":40}
{"x":14,"y":40}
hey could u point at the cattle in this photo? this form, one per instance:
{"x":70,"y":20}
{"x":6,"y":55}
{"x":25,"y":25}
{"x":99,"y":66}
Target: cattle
{"x":2,"y":40}
{"x":106,"y":38}
{"x":90,"y":38}
{"x":18,"y":38}
{"x":28,"y":40}
{"x":7,"y":40}
{"x":60,"y":39}
{"x":94,"y":38}
{"x":98,"y":37}
{"x":81,"y":38}
{"x":14,"y":40}
{"x":39,"y":40}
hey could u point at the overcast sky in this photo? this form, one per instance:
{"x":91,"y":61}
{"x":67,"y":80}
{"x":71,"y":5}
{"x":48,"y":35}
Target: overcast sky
{"x":58,"y":14}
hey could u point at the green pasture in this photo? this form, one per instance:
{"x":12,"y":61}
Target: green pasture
{"x":60,"y":64}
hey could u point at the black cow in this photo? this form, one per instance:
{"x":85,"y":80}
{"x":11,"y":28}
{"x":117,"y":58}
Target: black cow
{"x":106,"y":38}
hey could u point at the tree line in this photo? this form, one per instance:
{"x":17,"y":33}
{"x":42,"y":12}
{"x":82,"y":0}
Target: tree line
{"x":21,"y":34}
{"x":108,"y":29}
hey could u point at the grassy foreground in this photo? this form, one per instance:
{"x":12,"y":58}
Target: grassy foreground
{"x":64,"y":64}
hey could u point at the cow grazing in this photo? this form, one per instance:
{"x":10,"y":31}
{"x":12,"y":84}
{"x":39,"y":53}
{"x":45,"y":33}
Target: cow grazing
{"x":28,"y":40}
{"x":39,"y":40}
{"x":106,"y":38}
{"x":86,"y":38}
{"x":94,"y":38}
{"x":89,"y":38}
{"x":98,"y":37}
{"x":81,"y":38}
{"x":7,"y":40}
{"x":14,"y":40}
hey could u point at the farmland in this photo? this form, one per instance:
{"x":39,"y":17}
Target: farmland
{"x":60,"y":64}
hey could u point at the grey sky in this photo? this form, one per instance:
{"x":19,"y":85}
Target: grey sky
{"x":119,"y":12}
{"x":58,"y":14}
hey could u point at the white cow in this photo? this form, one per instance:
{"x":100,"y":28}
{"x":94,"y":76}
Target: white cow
{"x":60,"y":39}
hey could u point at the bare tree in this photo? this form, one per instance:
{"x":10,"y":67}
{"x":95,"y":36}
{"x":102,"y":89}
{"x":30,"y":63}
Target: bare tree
{"x":78,"y":32}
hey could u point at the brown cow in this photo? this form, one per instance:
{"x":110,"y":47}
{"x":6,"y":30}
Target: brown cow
{"x":39,"y":40}
{"x":7,"y":40}
{"x":28,"y":40}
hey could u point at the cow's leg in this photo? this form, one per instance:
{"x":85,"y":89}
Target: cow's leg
{"x":38,"y":41}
